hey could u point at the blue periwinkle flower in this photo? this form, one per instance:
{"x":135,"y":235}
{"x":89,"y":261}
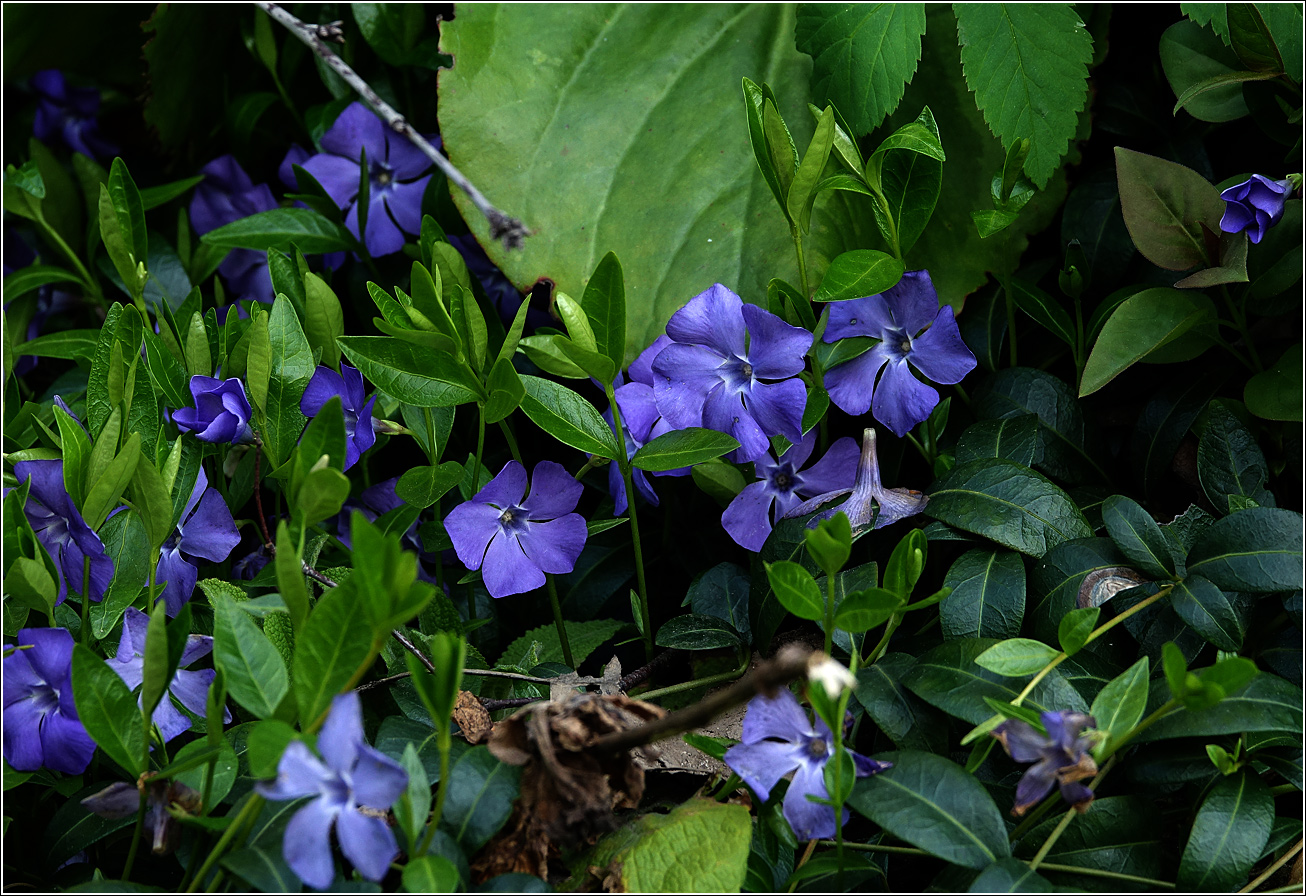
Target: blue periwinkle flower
{"x":782,"y":484}
{"x":189,"y":688}
{"x":221,"y":413}
{"x":778,"y":739}
{"x":642,"y":422}
{"x":348,"y":385}
{"x":68,"y":114}
{"x":225,"y":195}
{"x":1254,"y":206}
{"x":41,"y":727}
{"x":396,"y":177}
{"x":913,"y":330}
{"x":207,"y":531}
{"x":867,"y":496}
{"x":353,"y":778}
{"x":514,"y":542}
{"x":63,"y":532}
{"x":732,"y":367}
{"x":1060,"y":758}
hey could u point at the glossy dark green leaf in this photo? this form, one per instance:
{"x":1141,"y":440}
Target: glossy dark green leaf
{"x":1008,"y":503}
{"x":1121,"y":834}
{"x":1075,"y":627}
{"x":423,"y":379}
{"x":70,"y":345}
{"x":682,"y":448}
{"x":1206,"y":608}
{"x":280,"y":229}
{"x":430,"y":874}
{"x":1016,"y":656}
{"x":264,"y":868}
{"x":1014,"y":438}
{"x":1276,"y":393}
{"x":858,"y":273}
{"x":108,"y":710}
{"x":1120,"y":705}
{"x":1064,"y":442}
{"x":481,"y":792}
{"x":255,"y":673}
{"x":1166,"y":419}
{"x":1258,"y":549}
{"x":1267,"y":703}
{"x":1228,"y":834}
{"x":604,"y":303}
{"x":292,"y":368}
{"x":1195,"y":60}
{"x":1010,"y":876}
{"x":1251,"y":39}
{"x":1165,"y":205}
{"x":128,"y":547}
{"x":861,"y":611}
{"x":423,"y":486}
{"x":1044,"y":309}
{"x":567,"y":417}
{"x":74,"y":828}
{"x":910,"y":181}
{"x":692,"y":631}
{"x":988,"y":595}
{"x":1138,"y":536}
{"x":904,"y":717}
{"x":722,"y":592}
{"x":1229,"y":462}
{"x":934,"y":804}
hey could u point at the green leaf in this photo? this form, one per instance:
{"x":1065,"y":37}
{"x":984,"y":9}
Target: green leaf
{"x":900,"y":714}
{"x":34,"y":276}
{"x":290,"y":577}
{"x":153,"y":501}
{"x":604,"y":303}
{"x":796,"y":589}
{"x":292,"y":368}
{"x":1276,"y":394}
{"x":431,"y":873}
{"x":128,"y":547}
{"x":934,"y":804}
{"x":863,"y":56}
{"x":255,"y":674}
{"x":506,"y":391}
{"x":803,"y":190}
{"x":1075,"y":627}
{"x":420,"y":378}
{"x":1251,"y":39}
{"x":1119,"y":834}
{"x":108,"y":710}
{"x":692,"y":631}
{"x":478,"y":798}
{"x":1231,"y":828}
{"x":567,"y":417}
{"x":1119,"y":706}
{"x":1013,"y":438}
{"x":584,"y":637}
{"x":1206,"y":609}
{"x":1165,"y":206}
{"x":754,"y":105}
{"x":861,"y":611}
{"x":263,"y":868}
{"x":1009,"y":504}
{"x":1229,"y":462}
{"x":1138,"y":537}
{"x":423,"y":486}
{"x":1142,"y":323}
{"x":1258,"y":549}
{"x":1203,"y":73}
{"x":1284,"y":23}
{"x":857,"y":274}
{"x":129,"y":210}
{"x":1044,"y":309}
{"x":395,"y":30}
{"x":1211,"y":14}
{"x":690,"y":66}
{"x":700,"y":846}
{"x":324,"y":321}
{"x":1268,"y":703}
{"x":1063,"y":439}
{"x":908,"y":168}
{"x":328,"y":649}
{"x":1016,"y":656}
{"x":280,"y":229}
{"x":415,"y":803}
{"x":682,"y":448}
{"x":1027,"y":65}
{"x":1010,"y":876}
{"x":987,"y":598}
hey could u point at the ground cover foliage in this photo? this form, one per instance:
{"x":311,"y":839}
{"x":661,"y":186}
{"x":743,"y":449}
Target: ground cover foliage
{"x":903,"y":401}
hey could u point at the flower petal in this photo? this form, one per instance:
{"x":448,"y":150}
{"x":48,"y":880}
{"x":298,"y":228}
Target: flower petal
{"x":641,"y":369}
{"x":913,"y":301}
{"x":837,"y":469}
{"x":299,"y":774}
{"x":307,"y":844}
{"x":851,"y":384}
{"x":342,"y":732}
{"x":554,"y":492}
{"x":779,"y":716}
{"x":171,"y":721}
{"x":683,"y":378}
{"x":506,"y":489}
{"x":179,"y":576}
{"x":1035,"y":784}
{"x":748,"y":518}
{"x":322,"y":386}
{"x":810,"y":821}
{"x":210,"y":532}
{"x":763,"y":764}
{"x":778,"y":407}
{"x":51,"y":655}
{"x":939,"y":352}
{"x":901,"y":401}
{"x":507,"y":570}
{"x":555,"y":545}
{"x":367,"y":842}
{"x":725,"y":411}
{"x":356,"y":129}
{"x":869,"y":316}
{"x":712,"y":318}
{"x":65,"y":744}
{"x":471,"y":527}
{"x":190,"y":687}
{"x":404,"y":204}
{"x":22,"y":731}
{"x":775,"y":349}
{"x":337,"y":175}
{"x":378,"y":780}
{"x":383,"y":235}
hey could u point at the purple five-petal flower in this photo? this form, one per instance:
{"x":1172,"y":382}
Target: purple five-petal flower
{"x":782,"y":485}
{"x":514,"y":542}
{"x":221,"y":412}
{"x":396,"y":178}
{"x":642,"y":422}
{"x":779,"y":738}
{"x":61,"y":529}
{"x":206,"y":530}
{"x":348,"y":384}
{"x":41,"y":727}
{"x":1254,"y":206}
{"x":225,"y":195}
{"x":897,"y":317}
{"x":189,"y":688}
{"x":354,"y":776}
{"x":866,"y":496}
{"x":68,"y":113}
{"x":734,"y":368}
{"x":1060,"y":758}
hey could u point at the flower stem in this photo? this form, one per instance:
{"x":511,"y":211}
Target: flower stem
{"x":444,"y":743}
{"x":1066,"y":819}
{"x":1269,"y":872}
{"x":1240,"y":320}
{"x":829,"y":613}
{"x":698,"y":682}
{"x":802,"y":262}
{"x":512,"y":442}
{"x":1113,"y":875}
{"x":136,"y":834}
{"x":623,"y":464}
{"x":480,"y":447}
{"x":247,"y":814}
{"x":552,"y":587}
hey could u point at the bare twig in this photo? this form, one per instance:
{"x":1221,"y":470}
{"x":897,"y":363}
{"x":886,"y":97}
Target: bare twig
{"x":641,"y":675}
{"x":502,"y":226}
{"x":788,"y":664}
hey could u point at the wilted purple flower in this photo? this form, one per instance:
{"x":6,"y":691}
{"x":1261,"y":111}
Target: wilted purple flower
{"x":894,"y":503}
{"x":225,"y":195}
{"x":188,"y":688}
{"x":61,"y":529}
{"x":221,"y":412}
{"x":896,"y":317}
{"x":68,"y":113}
{"x":1061,"y":758}
{"x":514,"y":542}
{"x":734,"y":368}
{"x":122,"y":799}
{"x":1254,"y":206}
{"x":348,"y":384}
{"x":782,"y":487}
{"x":354,"y":777}
{"x":41,"y":727}
{"x":779,"y":738}
{"x":396,"y":178}
{"x":206,"y":530}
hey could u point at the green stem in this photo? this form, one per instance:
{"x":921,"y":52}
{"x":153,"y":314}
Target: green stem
{"x":136,"y":837}
{"x":875,"y":847}
{"x":247,"y":814}
{"x":480,"y":447}
{"x":1240,"y":319}
{"x":87,"y":280}
{"x":85,"y":631}
{"x":889,"y":627}
{"x":802,"y":261}
{"x":433,"y":454}
{"x":1281,"y":789}
{"x":1079,"y":339}
{"x":512,"y":442}
{"x":698,"y":683}
{"x":623,"y":464}
{"x":552,"y":588}
{"x":1160,"y":712}
{"x":829,"y":613}
{"x":1065,"y":820}
{"x":445,"y":744}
